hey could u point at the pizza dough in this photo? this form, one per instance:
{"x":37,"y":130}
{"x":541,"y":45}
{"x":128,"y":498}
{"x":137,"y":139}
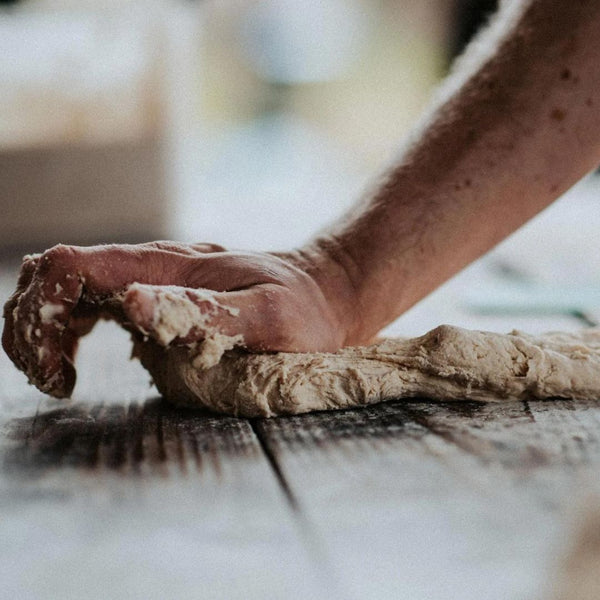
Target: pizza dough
{"x":448,"y":363}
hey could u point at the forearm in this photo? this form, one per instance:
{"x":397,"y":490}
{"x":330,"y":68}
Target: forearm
{"x":515,"y":127}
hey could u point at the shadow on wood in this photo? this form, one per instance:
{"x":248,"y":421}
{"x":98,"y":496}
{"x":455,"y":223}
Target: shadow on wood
{"x":374,"y":423}
{"x":154,"y":437}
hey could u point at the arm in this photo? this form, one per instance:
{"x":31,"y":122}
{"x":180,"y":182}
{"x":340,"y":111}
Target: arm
{"x":516,"y":125}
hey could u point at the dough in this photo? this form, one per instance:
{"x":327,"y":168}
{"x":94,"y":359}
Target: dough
{"x":448,"y":363}
{"x":175,"y":315}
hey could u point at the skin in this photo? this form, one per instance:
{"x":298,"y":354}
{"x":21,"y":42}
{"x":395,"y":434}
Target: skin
{"x":513,"y":128}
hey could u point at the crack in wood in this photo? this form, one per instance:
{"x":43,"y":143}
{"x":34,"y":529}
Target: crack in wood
{"x":527,"y":410}
{"x":312,"y":540}
{"x":274,"y":464}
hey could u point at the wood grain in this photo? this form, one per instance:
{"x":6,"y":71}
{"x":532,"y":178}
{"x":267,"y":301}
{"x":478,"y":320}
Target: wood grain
{"x":463,"y":499}
{"x":453,"y":497}
{"x":118,"y":495}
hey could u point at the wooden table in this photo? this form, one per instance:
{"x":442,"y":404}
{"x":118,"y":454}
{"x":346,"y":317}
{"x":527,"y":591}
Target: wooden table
{"x":117,"y":495}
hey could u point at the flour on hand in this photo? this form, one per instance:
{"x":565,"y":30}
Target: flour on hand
{"x":176,"y":315}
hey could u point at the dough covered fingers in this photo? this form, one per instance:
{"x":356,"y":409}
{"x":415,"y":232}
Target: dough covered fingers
{"x":61,"y":292}
{"x":199,"y":296}
{"x":27,"y":269}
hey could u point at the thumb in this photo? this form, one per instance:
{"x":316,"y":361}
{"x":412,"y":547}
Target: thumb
{"x":174,"y":315}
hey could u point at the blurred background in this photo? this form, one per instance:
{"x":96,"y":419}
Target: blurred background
{"x":250,"y":123}
{"x":245,"y":122}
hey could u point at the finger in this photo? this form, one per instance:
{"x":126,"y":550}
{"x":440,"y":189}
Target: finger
{"x":180,"y":316}
{"x":27,"y":269}
{"x":65,"y":275}
{"x":40,"y":318}
{"x":42,"y":311}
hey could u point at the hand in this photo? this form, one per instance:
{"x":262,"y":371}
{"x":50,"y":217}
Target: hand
{"x":274,"y":301}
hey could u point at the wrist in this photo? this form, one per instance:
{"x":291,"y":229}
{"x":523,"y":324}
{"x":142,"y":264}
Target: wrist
{"x":339,"y":279}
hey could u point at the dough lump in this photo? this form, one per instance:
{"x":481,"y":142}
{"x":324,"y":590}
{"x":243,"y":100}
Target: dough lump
{"x":447,"y":363}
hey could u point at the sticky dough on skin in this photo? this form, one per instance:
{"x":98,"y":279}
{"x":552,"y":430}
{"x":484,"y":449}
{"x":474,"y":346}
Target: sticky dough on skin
{"x":447,"y":363}
{"x":176,"y":315}
{"x":49,"y":311}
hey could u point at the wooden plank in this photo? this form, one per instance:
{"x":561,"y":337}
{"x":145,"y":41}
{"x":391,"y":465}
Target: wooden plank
{"x":116,"y":495}
{"x":478,"y":495}
{"x":547,"y":447}
{"x":429,"y":500}
{"x":406,"y":512}
{"x":190,"y":505}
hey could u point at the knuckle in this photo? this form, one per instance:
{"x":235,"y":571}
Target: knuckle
{"x":57,"y":258}
{"x":28,"y":268}
{"x":30,"y":261}
{"x":168,"y":246}
{"x":279,"y":318}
